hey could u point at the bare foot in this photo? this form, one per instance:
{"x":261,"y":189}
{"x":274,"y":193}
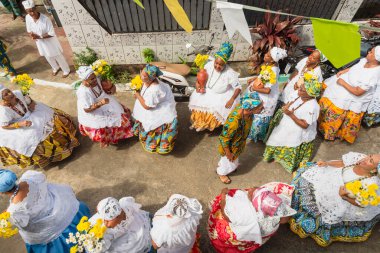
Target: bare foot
{"x":225,"y":179}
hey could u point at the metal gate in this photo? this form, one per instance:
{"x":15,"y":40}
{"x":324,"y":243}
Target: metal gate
{"x":124,"y":16}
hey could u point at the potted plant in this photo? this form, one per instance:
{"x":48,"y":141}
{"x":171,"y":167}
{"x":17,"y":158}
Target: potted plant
{"x":202,"y":76}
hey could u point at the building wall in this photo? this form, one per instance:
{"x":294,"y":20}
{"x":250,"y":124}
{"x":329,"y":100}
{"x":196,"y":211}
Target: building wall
{"x":82,"y":30}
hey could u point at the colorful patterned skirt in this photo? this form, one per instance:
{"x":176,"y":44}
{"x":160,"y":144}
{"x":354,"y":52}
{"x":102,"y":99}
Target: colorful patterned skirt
{"x":204,"y":120}
{"x":56,"y":147}
{"x":371,"y":119}
{"x":308,"y":221}
{"x":259,"y":128}
{"x":291,"y":158}
{"x":221,"y":235}
{"x":160,"y":140}
{"x":110,"y":135}
{"x":338,"y":123}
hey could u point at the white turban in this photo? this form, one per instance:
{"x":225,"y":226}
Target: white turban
{"x":84,"y":72}
{"x":278,"y":53}
{"x":182,"y":206}
{"x":377,"y":53}
{"x":28,"y":4}
{"x":109,"y":208}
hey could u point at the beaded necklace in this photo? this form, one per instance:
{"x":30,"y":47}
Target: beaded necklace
{"x":15,"y":193}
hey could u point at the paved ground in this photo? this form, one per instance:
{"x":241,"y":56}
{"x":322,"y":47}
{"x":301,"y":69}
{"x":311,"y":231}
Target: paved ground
{"x":126,"y":170}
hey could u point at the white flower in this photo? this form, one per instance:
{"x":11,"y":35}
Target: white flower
{"x":80,"y":249}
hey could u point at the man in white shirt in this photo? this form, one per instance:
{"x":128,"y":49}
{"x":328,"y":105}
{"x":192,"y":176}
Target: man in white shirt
{"x":40,"y":29}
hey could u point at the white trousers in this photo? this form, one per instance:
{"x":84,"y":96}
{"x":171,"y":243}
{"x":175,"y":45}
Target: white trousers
{"x":57,"y":62}
{"x":225,"y":167}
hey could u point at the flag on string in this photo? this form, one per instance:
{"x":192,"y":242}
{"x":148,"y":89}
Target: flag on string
{"x":338,"y":41}
{"x":138,"y":2}
{"x":234,"y":19}
{"x":179,"y":14}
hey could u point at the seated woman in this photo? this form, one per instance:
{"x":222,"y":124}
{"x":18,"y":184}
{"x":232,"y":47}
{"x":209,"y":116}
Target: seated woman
{"x":347,"y":97}
{"x":268,"y":93}
{"x":32,"y":133}
{"x":127,"y":225}
{"x":234,"y":135}
{"x":327,"y":209}
{"x":210,"y":110}
{"x":293,"y":129}
{"x":241,"y":221}
{"x":309,"y":65}
{"x":155,"y":114}
{"x":44,"y":213}
{"x":101,"y":117}
{"x":175,"y":225}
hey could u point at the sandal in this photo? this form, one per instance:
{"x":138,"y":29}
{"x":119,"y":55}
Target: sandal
{"x":56,"y":72}
{"x":225,"y":179}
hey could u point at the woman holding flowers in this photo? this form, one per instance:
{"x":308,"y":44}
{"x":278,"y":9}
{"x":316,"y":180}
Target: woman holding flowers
{"x":267,"y":87}
{"x":44,"y":213}
{"x":347,"y":97}
{"x":155,"y":113}
{"x":101,"y":117}
{"x":211,"y":108}
{"x":337,"y":200}
{"x":32,"y":133}
{"x":291,"y":134}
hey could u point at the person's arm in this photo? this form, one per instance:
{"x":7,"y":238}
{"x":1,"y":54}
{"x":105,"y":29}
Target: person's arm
{"x":300,"y":122}
{"x":97,"y":105}
{"x":260,"y":89}
{"x":25,"y":123}
{"x":333,"y":163}
{"x":142,"y":101}
{"x":357,"y":91}
{"x":342,"y":72}
{"x":232,"y":99}
{"x":155,"y":245}
{"x":344,"y":195}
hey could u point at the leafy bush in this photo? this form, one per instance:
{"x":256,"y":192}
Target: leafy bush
{"x":85,"y":58}
{"x":123,"y":77}
{"x":148,"y":55}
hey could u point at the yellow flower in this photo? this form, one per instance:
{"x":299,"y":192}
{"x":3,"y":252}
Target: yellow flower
{"x":136,"y":83}
{"x":374,"y":202}
{"x":364,"y":194}
{"x":201,"y":60}
{"x":83,"y":225}
{"x":364,"y":203}
{"x":74,"y":249}
{"x":372,"y":187}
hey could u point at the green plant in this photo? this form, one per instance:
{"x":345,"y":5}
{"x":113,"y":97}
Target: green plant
{"x":123,"y":77}
{"x":85,"y":58}
{"x":182,"y":60}
{"x":148,"y":55}
{"x":273,"y":32}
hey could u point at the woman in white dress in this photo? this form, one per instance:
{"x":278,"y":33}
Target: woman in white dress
{"x":175,"y":225}
{"x":268,"y":93}
{"x":293,"y":129}
{"x":326,"y":210}
{"x":128,"y":227}
{"x":44,"y":213}
{"x":347,"y":97}
{"x":41,"y":30}
{"x":309,"y":65}
{"x":155,"y":113}
{"x":32,"y":133}
{"x":101,"y":117}
{"x":210,"y":110}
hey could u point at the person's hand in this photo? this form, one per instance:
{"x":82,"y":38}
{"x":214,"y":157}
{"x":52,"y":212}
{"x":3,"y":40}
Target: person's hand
{"x":25,"y":123}
{"x":258,"y":84}
{"x":343,"y":191}
{"x":104,"y":101}
{"x":224,"y":191}
{"x":230,"y":156}
{"x":340,"y":73}
{"x":136,"y":95}
{"x":322,"y":163}
{"x":34,"y":36}
{"x":286,"y":110}
{"x":230,"y":103}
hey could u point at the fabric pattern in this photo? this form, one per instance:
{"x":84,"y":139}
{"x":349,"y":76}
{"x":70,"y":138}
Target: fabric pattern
{"x":260,"y":125}
{"x":56,"y":147}
{"x":160,"y":140}
{"x":110,"y":135}
{"x":290,"y":158}
{"x":338,"y":123}
{"x":225,"y":51}
{"x":5,"y":63}
{"x":308,"y":221}
{"x":204,"y":120}
{"x":371,"y":119}
{"x":234,"y":134}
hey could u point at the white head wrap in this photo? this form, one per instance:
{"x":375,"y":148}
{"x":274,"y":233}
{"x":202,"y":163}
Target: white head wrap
{"x":243,"y":217}
{"x":182,"y":206}
{"x":322,"y":57}
{"x":109,"y":208}
{"x":84,"y":72}
{"x":28,"y":4}
{"x":377,"y":53}
{"x":278,"y":53}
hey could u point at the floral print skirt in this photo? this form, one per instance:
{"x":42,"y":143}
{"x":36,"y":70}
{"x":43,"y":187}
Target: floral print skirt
{"x":371,"y":119}
{"x":308,"y":221}
{"x":160,"y":140}
{"x":338,"y":123}
{"x":291,"y":158}
{"x":57,"y":146}
{"x":110,"y":135}
{"x":204,"y":120}
{"x":259,"y":128}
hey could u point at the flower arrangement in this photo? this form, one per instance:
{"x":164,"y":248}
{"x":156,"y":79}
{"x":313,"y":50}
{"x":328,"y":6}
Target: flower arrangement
{"x":24,"y":81}
{"x":136,"y":83}
{"x":6,"y":230}
{"x":267,"y":75}
{"x":310,"y":78}
{"x":103,"y":69}
{"x":88,"y":238}
{"x":364,"y":194}
{"x":201,"y":60}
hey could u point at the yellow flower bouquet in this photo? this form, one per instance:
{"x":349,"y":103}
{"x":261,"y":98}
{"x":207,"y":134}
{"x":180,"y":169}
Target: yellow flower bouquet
{"x":88,"y":238}
{"x":310,"y":78}
{"x":102,"y":68}
{"x":267,"y":75}
{"x":363,"y":193}
{"x":25,"y":82}
{"x":6,"y":229}
{"x":136,"y":83}
{"x":201,"y":60}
